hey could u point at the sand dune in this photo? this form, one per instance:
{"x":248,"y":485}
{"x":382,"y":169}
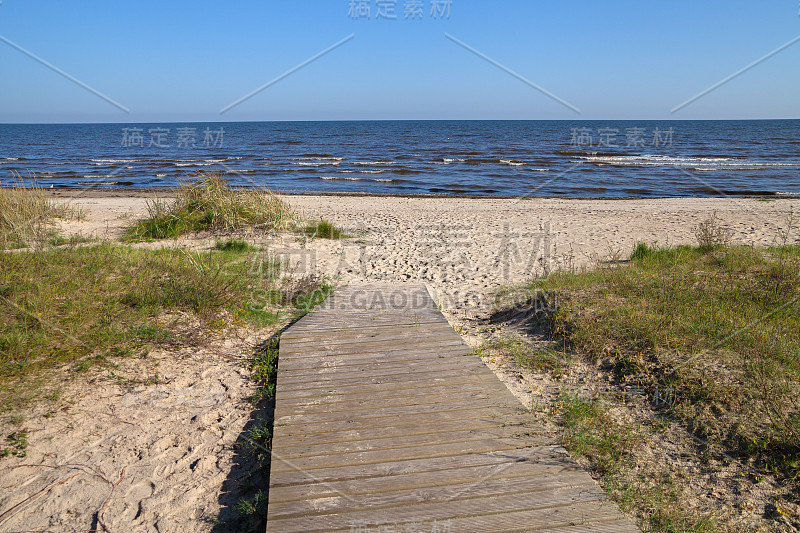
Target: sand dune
{"x":157,"y":457}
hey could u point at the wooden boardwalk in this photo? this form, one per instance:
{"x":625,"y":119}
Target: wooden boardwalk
{"x":386,"y":422}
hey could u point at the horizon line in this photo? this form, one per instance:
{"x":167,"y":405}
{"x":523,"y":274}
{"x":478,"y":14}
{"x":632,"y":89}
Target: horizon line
{"x":400,"y":120}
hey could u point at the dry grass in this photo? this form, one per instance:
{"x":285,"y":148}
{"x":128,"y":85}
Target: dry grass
{"x":27,"y":217}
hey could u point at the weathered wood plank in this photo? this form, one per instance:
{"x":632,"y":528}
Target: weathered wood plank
{"x":288,"y":438}
{"x":499,"y":458}
{"x":559,"y":505}
{"x":339,"y":402}
{"x":396,"y":378}
{"x":475,"y":474}
{"x":348,"y":503}
{"x":375,"y":369}
{"x":338,"y":396}
{"x":383,"y":419}
{"x":389,"y":443}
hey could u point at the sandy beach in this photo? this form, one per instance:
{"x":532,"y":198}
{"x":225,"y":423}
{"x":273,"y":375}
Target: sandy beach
{"x":464,"y":249}
{"x":157,"y":457}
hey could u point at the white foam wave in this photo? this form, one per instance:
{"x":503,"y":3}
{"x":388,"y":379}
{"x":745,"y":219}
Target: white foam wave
{"x":341,"y":178}
{"x":113,"y":160}
{"x":715,"y":163}
{"x":316,"y":158}
{"x":193,"y":164}
{"x":317,"y":164}
{"x":512,"y":163}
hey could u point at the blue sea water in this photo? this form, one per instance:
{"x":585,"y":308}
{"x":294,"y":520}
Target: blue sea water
{"x":503,"y":158}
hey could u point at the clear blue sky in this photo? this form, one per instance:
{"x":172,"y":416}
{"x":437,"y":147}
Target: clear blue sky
{"x":176,"y":61}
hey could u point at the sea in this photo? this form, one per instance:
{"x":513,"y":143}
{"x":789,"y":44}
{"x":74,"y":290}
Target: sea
{"x":575,"y":159}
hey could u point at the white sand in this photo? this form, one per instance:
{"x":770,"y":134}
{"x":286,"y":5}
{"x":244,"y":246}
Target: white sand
{"x":173,"y":441}
{"x":464,"y":249}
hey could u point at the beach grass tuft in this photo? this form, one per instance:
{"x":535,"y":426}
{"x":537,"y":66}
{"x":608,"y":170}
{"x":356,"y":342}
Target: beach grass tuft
{"x":711,"y":234}
{"x":209,"y":203}
{"x":323,"y":229}
{"x":27,"y":217}
{"x":234,"y":245}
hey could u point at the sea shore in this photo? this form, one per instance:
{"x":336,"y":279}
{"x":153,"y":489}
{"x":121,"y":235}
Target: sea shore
{"x":162,"y":451}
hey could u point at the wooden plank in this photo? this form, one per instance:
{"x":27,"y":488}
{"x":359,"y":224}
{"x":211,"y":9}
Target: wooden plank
{"x":408,"y":378}
{"x":499,"y":458}
{"x":358,"y":457}
{"x":364,"y":444}
{"x":558,"y":502}
{"x":340,"y":401}
{"x":288,"y":438}
{"x":389,"y":390}
{"x":475,"y":474}
{"x":390,"y":407}
{"x":587,"y":517}
{"x":383,"y":386}
{"x":466,"y":417}
{"x":395,"y":356}
{"x":339,"y":503}
{"x":377,"y":403}
{"x":320,"y":423}
{"x":383,"y":419}
{"x":371,"y":342}
{"x":390,"y":387}
{"x":376,"y":368}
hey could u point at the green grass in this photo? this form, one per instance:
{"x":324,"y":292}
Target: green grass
{"x":322,"y":229}
{"x":209,"y":203}
{"x":544,"y":359}
{"x":720,"y":328}
{"x":254,"y":508}
{"x":710,"y":333}
{"x":256,"y":441}
{"x":27,"y":217}
{"x":264,"y":369}
{"x":17,"y":444}
{"x":652,"y":495}
{"x":79,"y":306}
{"x":234,"y":245}
{"x":71,"y":240}
{"x":591,"y":432}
